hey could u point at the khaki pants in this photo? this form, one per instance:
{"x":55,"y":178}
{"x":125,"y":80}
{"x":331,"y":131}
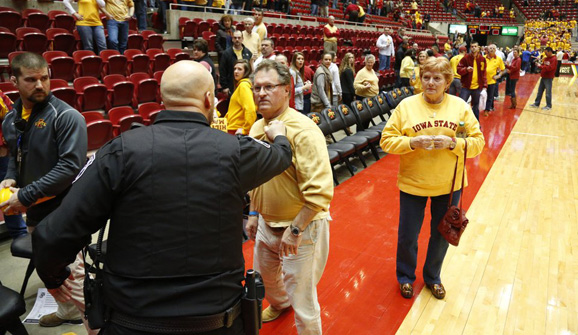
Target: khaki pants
{"x":330,"y":47}
{"x":292,"y":280}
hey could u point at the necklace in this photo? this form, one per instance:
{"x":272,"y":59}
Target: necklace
{"x":432,"y":113}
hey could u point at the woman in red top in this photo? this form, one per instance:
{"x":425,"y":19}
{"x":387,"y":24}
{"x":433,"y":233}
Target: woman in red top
{"x":514,"y":73}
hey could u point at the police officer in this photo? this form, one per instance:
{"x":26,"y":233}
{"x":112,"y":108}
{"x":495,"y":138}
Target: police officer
{"x":173,"y":193}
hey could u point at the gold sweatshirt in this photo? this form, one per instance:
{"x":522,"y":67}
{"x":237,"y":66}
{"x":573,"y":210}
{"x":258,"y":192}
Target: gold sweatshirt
{"x":429,"y":172}
{"x":307,"y":182}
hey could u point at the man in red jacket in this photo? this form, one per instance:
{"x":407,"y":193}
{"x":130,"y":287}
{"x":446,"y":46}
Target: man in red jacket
{"x":548,"y":70}
{"x":472,"y":69}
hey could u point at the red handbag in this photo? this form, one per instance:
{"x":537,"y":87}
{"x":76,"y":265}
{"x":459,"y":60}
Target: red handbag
{"x":454,"y":222}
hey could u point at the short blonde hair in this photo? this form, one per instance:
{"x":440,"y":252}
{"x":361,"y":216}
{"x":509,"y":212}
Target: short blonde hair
{"x":438,"y":64}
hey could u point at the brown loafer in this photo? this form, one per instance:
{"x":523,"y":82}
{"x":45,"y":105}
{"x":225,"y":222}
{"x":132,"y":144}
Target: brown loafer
{"x":437,"y":290}
{"x":406,"y":290}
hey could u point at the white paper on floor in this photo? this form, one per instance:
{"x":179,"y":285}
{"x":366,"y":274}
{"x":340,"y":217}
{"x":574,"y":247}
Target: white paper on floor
{"x":44,"y":304}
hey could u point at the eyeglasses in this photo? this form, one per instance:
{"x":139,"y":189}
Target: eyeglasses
{"x":268,"y":88}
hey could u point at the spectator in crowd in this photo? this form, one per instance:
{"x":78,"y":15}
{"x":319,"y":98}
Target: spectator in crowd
{"x":242,"y":112}
{"x":121,"y":12}
{"x":289,"y":215}
{"x":228,"y":59}
{"x":416,"y":79}
{"x":385,"y":46}
{"x":47,"y":141}
{"x":347,"y":77}
{"x":323,"y":7}
{"x":322,"y":85}
{"x":314,"y":7}
{"x":494,"y":71}
{"x":282,"y":59}
{"x":330,"y":36}
{"x":251,"y":39}
{"x":456,"y":85}
{"x":407,"y":72}
{"x":201,"y":54}
{"x":559,"y":58}
{"x":526,"y":60}
{"x":88,"y":23}
{"x":307,"y":74}
{"x":514,"y":74}
{"x":472,"y":69}
{"x":259,"y":26}
{"x":547,"y":73}
{"x":224,"y":38}
{"x":427,"y":161}
{"x":336,"y":81}
{"x":366,"y":82}
{"x":140,"y":9}
{"x":267,"y":52}
{"x":301,"y":85}
{"x":399,"y":55}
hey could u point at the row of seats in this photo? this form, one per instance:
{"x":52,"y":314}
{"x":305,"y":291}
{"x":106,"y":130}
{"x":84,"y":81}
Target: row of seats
{"x":361,"y":112}
{"x":120,"y":119}
{"x":87,"y":63}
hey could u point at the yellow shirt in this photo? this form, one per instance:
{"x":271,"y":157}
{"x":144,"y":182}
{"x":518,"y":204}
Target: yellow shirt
{"x":416,"y":83}
{"x":332,"y":30}
{"x":3,"y":109}
{"x":454,"y":63}
{"x":89,"y":10}
{"x":362,"y":77}
{"x":492,"y":66}
{"x":423,"y":172}
{"x":201,"y":2}
{"x":26,"y":113}
{"x":218,"y":3}
{"x":307,"y":182}
{"x":238,"y":53}
{"x":261,"y":30}
{"x":242,"y":112}
{"x":475,"y":85}
{"x":407,"y":66}
{"x":252,"y":42}
{"x":119,"y":8}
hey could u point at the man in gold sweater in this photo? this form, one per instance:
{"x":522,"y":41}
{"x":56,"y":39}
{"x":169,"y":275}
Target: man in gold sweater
{"x":289,"y":214}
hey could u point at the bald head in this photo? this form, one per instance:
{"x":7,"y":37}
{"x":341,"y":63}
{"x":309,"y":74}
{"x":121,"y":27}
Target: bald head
{"x":188,"y":86}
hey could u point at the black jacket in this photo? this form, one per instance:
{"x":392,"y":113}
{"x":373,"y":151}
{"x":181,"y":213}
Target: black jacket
{"x":222,"y":38}
{"x":399,"y":55}
{"x":53,"y":144}
{"x":173,"y":193}
{"x":227,"y":65}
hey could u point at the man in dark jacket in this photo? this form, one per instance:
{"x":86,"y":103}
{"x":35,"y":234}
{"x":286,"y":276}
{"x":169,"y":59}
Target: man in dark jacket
{"x":174,"y":194}
{"x":230,"y":56}
{"x":47,"y":141}
{"x":399,"y":55}
{"x":547,"y":73}
{"x":472,"y":69}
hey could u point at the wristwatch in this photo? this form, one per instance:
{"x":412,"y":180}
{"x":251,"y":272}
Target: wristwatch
{"x":453,"y":144}
{"x":295,"y":231}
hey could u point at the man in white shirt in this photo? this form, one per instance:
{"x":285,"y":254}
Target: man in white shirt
{"x":559,"y":58}
{"x":267,"y":52}
{"x":385,"y":46}
{"x":336,"y":82}
{"x":259,"y":26}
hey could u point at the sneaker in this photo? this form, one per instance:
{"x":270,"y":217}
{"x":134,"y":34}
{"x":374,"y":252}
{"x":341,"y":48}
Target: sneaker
{"x":271,"y":314}
{"x":51,"y":320}
{"x":546,"y":108}
{"x":534,"y":105}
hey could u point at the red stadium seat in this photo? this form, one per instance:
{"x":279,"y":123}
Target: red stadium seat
{"x":11,"y":20}
{"x":8,"y":43}
{"x":61,"y":65}
{"x":36,"y":19}
{"x":152,"y":40}
{"x":61,"y":39}
{"x":120,"y":90}
{"x":99,"y":132}
{"x":178,"y":55}
{"x":122,"y":118}
{"x":92,"y":116}
{"x":66,"y":94}
{"x":91,"y":95}
{"x":113,"y":62}
{"x":145,"y":88}
{"x":159,"y":61}
{"x":135,"y":41}
{"x":87,"y":64}
{"x":148,"y":111}
{"x":138,"y":61}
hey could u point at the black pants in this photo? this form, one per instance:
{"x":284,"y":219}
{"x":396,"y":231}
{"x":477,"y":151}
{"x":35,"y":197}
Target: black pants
{"x":114,"y":329}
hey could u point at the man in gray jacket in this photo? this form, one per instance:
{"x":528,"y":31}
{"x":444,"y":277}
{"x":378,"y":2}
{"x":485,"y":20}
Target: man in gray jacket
{"x":47,"y":141}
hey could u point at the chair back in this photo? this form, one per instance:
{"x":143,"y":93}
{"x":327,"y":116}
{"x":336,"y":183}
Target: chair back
{"x":333,"y":119}
{"x":363,"y":115}
{"x":320,"y":121}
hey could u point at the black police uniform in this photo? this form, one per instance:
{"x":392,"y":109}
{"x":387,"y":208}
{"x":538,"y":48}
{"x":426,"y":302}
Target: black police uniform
{"x":174,"y":195}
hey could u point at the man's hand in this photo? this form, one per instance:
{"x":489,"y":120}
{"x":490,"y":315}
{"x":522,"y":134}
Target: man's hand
{"x":226,"y":91}
{"x":422,"y":141}
{"x":289,"y":243}
{"x":307,"y":86}
{"x":251,"y":227}
{"x":62,"y":294}
{"x":274,"y":129}
{"x":13,"y":205}
{"x":8,"y":183}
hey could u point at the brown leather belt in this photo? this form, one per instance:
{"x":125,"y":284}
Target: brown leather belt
{"x":176,"y":325}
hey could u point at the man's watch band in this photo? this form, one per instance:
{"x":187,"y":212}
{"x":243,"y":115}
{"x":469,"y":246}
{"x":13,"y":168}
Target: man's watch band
{"x":295,"y":231}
